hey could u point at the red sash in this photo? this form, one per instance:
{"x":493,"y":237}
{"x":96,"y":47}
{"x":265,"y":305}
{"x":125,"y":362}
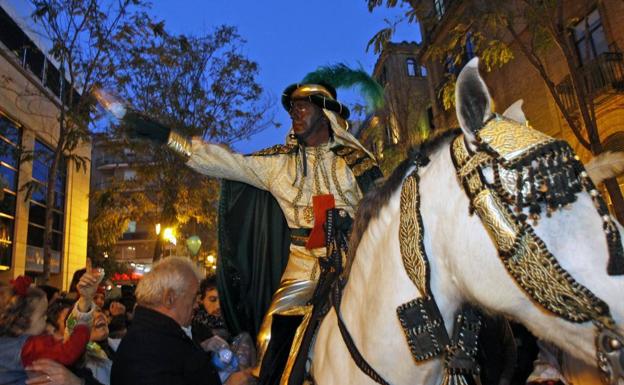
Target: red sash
{"x":320,"y":205}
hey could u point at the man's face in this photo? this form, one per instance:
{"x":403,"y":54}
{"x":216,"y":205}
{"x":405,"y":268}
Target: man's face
{"x":185,"y":303}
{"x":211,"y":302}
{"x":304,"y":116}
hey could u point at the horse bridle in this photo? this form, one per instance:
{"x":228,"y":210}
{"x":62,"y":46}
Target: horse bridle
{"x":532,"y":170}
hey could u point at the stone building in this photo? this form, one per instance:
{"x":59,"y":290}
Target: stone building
{"x":405,"y":118}
{"x":30,"y":87}
{"x":599,"y":51}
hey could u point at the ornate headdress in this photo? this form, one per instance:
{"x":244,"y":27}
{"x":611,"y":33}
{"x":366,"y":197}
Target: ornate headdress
{"x":319,"y":87}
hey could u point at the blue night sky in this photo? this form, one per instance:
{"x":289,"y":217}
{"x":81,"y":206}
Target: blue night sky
{"x":288,"y":38}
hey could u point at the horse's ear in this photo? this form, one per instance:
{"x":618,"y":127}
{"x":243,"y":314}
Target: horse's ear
{"x":514,"y":112}
{"x":472,"y":99}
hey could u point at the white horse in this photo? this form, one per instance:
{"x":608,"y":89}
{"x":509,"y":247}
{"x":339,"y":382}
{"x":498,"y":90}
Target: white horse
{"x":465,"y":267}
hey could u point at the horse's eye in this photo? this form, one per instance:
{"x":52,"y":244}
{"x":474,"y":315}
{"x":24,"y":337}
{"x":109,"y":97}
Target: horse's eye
{"x":611,"y":344}
{"x":615,"y":344}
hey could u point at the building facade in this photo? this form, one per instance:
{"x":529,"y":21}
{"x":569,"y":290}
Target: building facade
{"x":405,"y":118}
{"x":30,"y":87}
{"x":598,"y":35}
{"x":115,"y":165}
{"x":111,"y":166}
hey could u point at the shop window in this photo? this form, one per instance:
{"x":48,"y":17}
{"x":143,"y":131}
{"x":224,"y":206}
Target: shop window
{"x":38,"y":204}
{"x":10,"y":136}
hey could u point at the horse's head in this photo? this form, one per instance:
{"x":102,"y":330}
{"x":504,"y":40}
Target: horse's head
{"x":549,"y":225}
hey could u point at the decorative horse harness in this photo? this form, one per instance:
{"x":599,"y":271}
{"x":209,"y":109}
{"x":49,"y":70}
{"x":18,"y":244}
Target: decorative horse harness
{"x":530,"y":170}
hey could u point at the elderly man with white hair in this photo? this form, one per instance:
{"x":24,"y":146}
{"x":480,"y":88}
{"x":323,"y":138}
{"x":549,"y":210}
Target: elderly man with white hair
{"x":156,"y":349}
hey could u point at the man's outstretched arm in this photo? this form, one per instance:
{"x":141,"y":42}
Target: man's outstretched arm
{"x":209,"y":159}
{"x":219,"y":162}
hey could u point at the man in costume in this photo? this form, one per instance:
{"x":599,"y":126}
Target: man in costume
{"x":321,"y":166}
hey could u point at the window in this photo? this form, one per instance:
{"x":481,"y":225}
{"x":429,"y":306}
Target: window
{"x":129,"y":175}
{"x":10,"y":137}
{"x":589,"y":37}
{"x":423,"y":71}
{"x":131,"y":227}
{"x":440,"y":8}
{"x":411,"y":67}
{"x":468,"y":53}
{"x":36,"y":216}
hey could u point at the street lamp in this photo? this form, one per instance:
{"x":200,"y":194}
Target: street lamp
{"x":169,"y":235}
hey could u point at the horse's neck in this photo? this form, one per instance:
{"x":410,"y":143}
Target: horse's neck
{"x":378,"y":282}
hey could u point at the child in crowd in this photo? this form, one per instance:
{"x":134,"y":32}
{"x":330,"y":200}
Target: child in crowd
{"x":57,"y":314}
{"x":23,"y":320}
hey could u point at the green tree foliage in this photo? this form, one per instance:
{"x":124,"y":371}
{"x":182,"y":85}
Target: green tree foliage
{"x":500,"y":29}
{"x":201,"y":86}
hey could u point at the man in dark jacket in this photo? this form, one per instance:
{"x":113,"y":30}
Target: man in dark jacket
{"x":157,"y":350}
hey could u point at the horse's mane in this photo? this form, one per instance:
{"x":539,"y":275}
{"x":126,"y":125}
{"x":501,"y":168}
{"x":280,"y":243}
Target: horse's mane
{"x":372,"y":203}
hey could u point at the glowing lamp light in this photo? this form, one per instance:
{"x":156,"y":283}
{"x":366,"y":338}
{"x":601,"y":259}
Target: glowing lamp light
{"x":110,"y":102}
{"x":169,"y":235}
{"x":210,"y":259}
{"x":157,"y":228}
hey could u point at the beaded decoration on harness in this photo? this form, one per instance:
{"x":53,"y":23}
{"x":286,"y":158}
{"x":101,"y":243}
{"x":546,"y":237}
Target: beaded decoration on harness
{"x":532,"y":170}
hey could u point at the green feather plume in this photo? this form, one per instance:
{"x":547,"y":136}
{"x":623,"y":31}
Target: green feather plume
{"x":341,"y":76}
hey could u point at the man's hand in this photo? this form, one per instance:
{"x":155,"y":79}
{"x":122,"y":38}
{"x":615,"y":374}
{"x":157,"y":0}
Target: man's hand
{"x":51,"y":373}
{"x":135,"y":124}
{"x":140,"y":126}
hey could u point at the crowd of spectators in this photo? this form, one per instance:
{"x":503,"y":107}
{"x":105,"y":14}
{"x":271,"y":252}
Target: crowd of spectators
{"x":167,"y":331}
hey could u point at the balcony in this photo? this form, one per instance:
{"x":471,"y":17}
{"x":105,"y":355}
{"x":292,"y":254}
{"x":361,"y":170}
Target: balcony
{"x":137,"y":236}
{"x":112,"y":161}
{"x":603,"y":76}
